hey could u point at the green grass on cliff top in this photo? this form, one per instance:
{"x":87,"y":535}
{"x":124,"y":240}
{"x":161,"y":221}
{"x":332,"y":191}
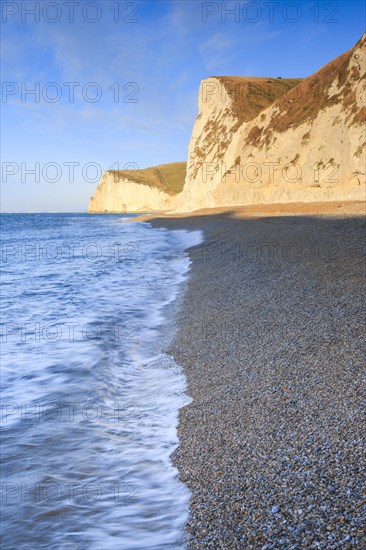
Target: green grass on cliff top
{"x":165,"y":177}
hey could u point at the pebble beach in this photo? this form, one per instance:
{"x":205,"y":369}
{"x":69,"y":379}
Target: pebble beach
{"x":271,"y":339}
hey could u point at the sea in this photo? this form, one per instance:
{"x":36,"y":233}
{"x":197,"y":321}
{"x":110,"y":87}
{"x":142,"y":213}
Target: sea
{"x":90,"y":398}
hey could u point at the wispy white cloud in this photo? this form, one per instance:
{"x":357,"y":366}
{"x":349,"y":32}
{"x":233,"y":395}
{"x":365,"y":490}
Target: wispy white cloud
{"x":221,"y":50}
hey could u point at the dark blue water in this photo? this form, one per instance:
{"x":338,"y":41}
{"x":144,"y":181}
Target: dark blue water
{"x":90,"y":399}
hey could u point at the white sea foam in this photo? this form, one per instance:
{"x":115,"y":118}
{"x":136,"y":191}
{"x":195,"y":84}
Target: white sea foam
{"x":90,"y":417}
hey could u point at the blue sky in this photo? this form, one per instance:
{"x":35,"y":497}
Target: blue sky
{"x":155,"y":54}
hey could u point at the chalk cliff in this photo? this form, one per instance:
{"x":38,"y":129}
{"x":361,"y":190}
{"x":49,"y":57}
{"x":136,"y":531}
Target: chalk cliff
{"x":275,"y":140}
{"x":144,"y":190}
{"x":260,"y":140}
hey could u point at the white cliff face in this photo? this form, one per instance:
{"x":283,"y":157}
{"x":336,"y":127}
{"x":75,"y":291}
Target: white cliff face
{"x":261,"y":141}
{"x":114,"y":194}
{"x":211,"y":135}
{"x":307,"y":146}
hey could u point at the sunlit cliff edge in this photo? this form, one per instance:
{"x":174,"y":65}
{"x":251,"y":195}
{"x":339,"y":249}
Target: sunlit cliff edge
{"x":261,"y":141}
{"x":143,"y":190}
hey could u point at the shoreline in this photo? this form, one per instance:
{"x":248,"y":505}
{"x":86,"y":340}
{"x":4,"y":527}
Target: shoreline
{"x":332,"y":208}
{"x":270,"y":340}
